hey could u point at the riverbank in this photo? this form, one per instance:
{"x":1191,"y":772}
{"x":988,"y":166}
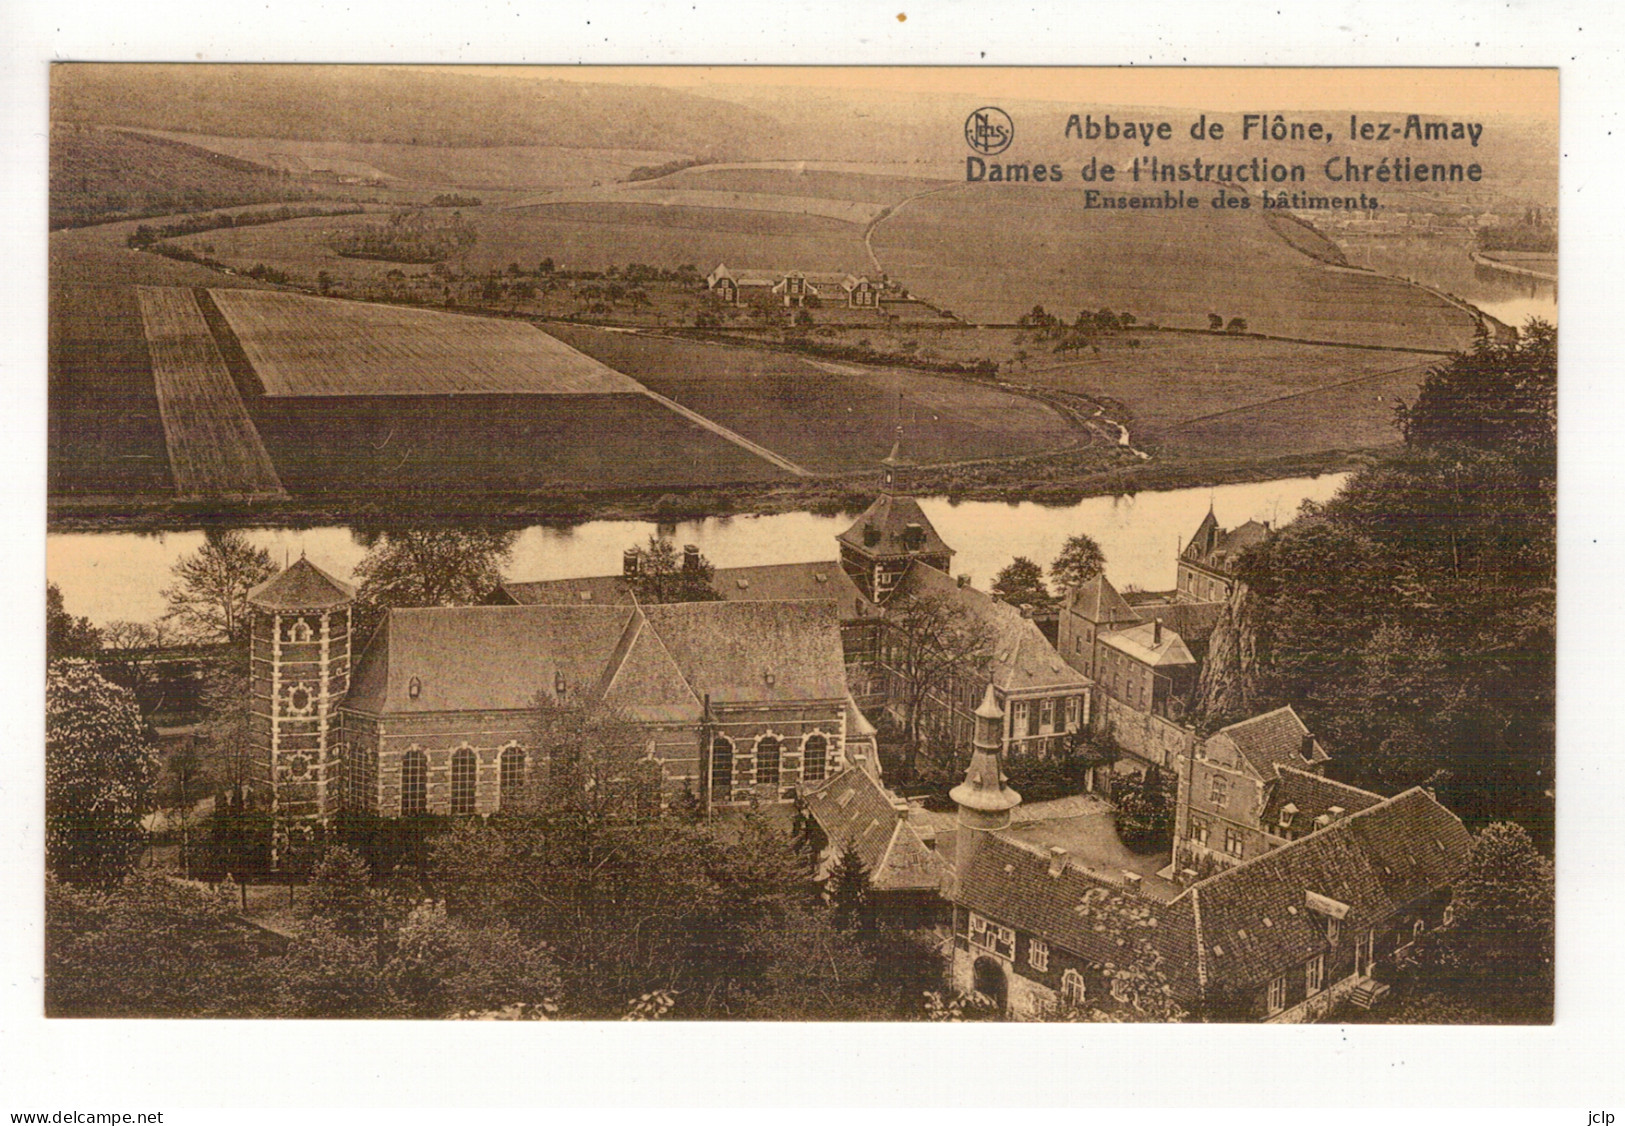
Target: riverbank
{"x":1052,"y":485}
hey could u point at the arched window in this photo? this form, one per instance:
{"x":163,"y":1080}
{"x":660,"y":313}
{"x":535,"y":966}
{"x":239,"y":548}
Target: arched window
{"x":298,"y":630}
{"x":767,"y":759}
{"x":414,"y":783}
{"x":1073,"y":992}
{"x":513,"y":775}
{"x":722,"y":768}
{"x":1417,"y":927}
{"x":814,"y":758}
{"x":464,"y":769}
{"x":1449,"y":914}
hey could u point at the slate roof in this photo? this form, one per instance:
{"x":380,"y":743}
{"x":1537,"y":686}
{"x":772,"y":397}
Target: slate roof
{"x":729,"y":649}
{"x":1245,"y":925}
{"x":1140,"y":642}
{"x":1312,"y":796}
{"x":854,"y":808}
{"x":1226,"y":544}
{"x":892,"y":515}
{"x":1267,"y":741}
{"x":1098,"y":601}
{"x":654,"y":664}
{"x":302,"y":586}
{"x":1376,"y":861}
{"x":1023,"y":658}
{"x":779,"y":582}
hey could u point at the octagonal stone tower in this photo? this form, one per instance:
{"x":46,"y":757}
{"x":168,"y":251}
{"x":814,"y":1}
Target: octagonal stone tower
{"x":299,"y":672}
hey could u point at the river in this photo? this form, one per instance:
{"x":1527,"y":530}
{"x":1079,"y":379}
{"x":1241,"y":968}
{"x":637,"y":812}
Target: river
{"x":108,"y":576}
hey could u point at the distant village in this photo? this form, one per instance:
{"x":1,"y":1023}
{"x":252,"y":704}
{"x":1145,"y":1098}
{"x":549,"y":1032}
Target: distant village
{"x":1282,"y":896}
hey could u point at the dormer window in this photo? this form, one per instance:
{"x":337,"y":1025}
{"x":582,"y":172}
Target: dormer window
{"x":1330,"y":912}
{"x":1288,"y":812}
{"x":414,"y":688}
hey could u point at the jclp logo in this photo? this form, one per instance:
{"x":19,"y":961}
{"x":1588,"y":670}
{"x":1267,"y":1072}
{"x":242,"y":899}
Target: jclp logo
{"x":989,"y":130}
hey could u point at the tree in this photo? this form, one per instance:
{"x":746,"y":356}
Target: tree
{"x":589,"y":760}
{"x":427,"y":567}
{"x":1080,"y":560}
{"x":209,"y":600}
{"x":130,"y":657}
{"x":1022,"y":585}
{"x":99,"y":773}
{"x":1237,"y":324}
{"x":847,"y":889}
{"x":1214,"y":322}
{"x":1501,"y":396}
{"x":662,"y":575}
{"x":65,"y":635}
{"x":934,"y":645}
{"x":1497,"y":949}
{"x":1145,"y":810}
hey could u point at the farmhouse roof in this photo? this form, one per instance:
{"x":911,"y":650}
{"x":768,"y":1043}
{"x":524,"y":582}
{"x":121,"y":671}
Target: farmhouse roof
{"x":1145,"y":644}
{"x":1023,"y":659}
{"x":854,"y":809}
{"x":1267,"y":741}
{"x":889,"y":518}
{"x":1098,"y":601}
{"x":302,"y":586}
{"x":1377,"y":862}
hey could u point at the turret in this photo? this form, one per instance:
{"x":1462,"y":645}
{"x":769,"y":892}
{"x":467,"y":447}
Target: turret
{"x":299,"y":673}
{"x":983,"y":799}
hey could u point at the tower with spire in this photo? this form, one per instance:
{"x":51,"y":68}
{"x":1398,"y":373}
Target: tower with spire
{"x":983,"y":799}
{"x":890,"y":536}
{"x":299,"y":673}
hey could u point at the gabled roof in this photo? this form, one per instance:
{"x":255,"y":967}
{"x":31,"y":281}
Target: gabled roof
{"x":483,"y":658}
{"x":854,"y":808}
{"x":1193,"y":621}
{"x":643,"y":683}
{"x":1225,"y":545}
{"x":302,"y":586}
{"x":1142,"y":642}
{"x":1098,"y":601}
{"x":890,"y":516}
{"x":597,"y":590}
{"x":1376,"y":862}
{"x":755,"y":652}
{"x":1310,"y":795}
{"x":1266,"y":741}
{"x":1023,"y":658}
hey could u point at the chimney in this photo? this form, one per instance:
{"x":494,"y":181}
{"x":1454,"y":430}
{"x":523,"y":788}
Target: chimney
{"x":962,"y":581}
{"x":629,"y":561}
{"x":691,"y":559}
{"x":1156,"y":633}
{"x":1336,"y":811}
{"x":1308,"y":749}
{"x":1057,"y":860}
{"x":1132,"y":879}
{"x":914,"y":537}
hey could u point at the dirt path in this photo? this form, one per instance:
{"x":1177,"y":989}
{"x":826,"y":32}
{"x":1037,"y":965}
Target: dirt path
{"x":887,"y":213}
{"x":722,"y":431}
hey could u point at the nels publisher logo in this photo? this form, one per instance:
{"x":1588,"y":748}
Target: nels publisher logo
{"x":989,"y":130}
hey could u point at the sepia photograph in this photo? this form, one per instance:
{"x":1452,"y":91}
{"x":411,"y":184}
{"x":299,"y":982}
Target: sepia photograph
{"x":823,"y":544}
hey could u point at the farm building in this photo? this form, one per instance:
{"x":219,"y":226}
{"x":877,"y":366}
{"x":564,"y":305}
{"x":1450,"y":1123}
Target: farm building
{"x":792,"y":288}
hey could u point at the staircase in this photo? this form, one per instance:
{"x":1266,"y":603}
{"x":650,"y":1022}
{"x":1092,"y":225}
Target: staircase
{"x":1367,"y":993}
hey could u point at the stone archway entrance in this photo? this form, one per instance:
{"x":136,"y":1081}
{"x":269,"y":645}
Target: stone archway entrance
{"x":987,"y":978}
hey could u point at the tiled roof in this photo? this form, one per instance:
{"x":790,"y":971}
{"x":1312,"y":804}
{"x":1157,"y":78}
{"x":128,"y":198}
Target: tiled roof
{"x":1238,"y":929}
{"x":1311,"y":795}
{"x":890,"y":516}
{"x":1098,"y":601}
{"x":1141,"y":642}
{"x":755,"y":652}
{"x":1023,"y":658}
{"x":779,"y":582}
{"x":302,"y":586}
{"x":1376,"y":861}
{"x":1226,"y":544}
{"x":643,"y":683}
{"x":854,"y":808}
{"x":1267,"y":741}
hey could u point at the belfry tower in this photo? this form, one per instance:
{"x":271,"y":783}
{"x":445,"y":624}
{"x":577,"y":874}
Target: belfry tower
{"x":983,"y":799}
{"x":891,"y":535}
{"x":299,"y":672}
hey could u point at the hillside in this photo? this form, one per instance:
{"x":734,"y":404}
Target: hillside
{"x":103,"y":174}
{"x":432,"y":106}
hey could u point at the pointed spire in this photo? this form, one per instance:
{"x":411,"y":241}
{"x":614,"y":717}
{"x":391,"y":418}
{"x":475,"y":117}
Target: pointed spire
{"x":891,"y":463}
{"x":984,"y":800}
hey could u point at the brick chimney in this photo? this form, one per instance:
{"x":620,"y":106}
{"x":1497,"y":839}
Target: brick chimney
{"x":1057,"y":860}
{"x":1156,"y":633}
{"x":691,"y":559}
{"x":1308,"y":747}
{"x":1132,"y":880}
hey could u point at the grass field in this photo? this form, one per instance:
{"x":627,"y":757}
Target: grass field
{"x":992,"y":252}
{"x":800,"y":182}
{"x":841,"y":210}
{"x":214,"y":450}
{"x":831,"y":417}
{"x":302,"y":346}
